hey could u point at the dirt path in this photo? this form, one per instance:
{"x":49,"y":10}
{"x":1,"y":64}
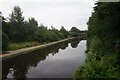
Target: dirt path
{"x":28,"y":49}
{"x":18,"y":51}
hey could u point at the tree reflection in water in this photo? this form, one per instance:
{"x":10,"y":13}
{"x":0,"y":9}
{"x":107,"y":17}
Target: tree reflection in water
{"x":75,"y":42}
{"x":20,"y":65}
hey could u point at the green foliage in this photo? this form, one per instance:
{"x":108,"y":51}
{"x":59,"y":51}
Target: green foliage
{"x":58,"y":33}
{"x":64,"y":32}
{"x":44,"y":35}
{"x":19,"y":31}
{"x":105,"y":67}
{"x":17,"y":27}
{"x":103,"y":56}
{"x":104,"y":24}
{"x":31,"y":26}
{"x":19,"y":45}
{"x":51,"y":36}
{"x":98,"y":63}
{"x":16,"y":15}
{"x":5,"y":41}
{"x":96,"y":44}
{"x":74,"y":32}
{"x":5,"y":26}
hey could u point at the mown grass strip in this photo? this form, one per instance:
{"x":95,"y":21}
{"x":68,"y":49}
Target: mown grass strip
{"x":33,"y":49}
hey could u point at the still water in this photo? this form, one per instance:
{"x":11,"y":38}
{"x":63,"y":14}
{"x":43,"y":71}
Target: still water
{"x":57,"y":61}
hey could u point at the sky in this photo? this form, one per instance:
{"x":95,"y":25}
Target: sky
{"x":56,"y":13}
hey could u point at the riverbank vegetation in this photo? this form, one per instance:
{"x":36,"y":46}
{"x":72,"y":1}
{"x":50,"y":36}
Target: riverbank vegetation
{"x":103,"y":53}
{"x":19,"y":33}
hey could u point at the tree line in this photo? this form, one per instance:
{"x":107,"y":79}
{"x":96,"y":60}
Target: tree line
{"x":17,"y":29}
{"x":103,"y":53}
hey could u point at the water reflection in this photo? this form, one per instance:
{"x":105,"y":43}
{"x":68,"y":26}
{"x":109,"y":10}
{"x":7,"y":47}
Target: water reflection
{"x":18,"y":67}
{"x":75,"y":42}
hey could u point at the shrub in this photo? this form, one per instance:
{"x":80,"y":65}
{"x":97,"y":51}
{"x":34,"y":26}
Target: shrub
{"x":99,"y":64}
{"x":45,"y":36}
{"x":105,"y":67}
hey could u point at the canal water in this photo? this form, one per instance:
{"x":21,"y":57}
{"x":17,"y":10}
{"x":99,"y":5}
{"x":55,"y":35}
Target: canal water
{"x":56,"y":61}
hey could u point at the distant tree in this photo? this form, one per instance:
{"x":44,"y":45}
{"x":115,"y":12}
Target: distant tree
{"x":75,"y":29}
{"x":17,"y":27}
{"x":16,"y":15}
{"x":42,"y":27}
{"x":31,"y":26}
{"x":74,"y":32}
{"x":64,"y":31}
{"x":52,"y":28}
{"x":47,"y":35}
{"x":43,"y":35}
{"x":57,"y":32}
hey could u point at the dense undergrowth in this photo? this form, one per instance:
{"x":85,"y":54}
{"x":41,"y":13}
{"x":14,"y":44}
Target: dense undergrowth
{"x":103,"y":44}
{"x":99,"y":63}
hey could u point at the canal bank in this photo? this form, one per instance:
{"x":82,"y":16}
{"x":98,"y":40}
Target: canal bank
{"x":14,"y":53}
{"x":56,"y":61}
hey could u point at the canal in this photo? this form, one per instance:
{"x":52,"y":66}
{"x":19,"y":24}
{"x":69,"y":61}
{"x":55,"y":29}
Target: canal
{"x":56,"y":61}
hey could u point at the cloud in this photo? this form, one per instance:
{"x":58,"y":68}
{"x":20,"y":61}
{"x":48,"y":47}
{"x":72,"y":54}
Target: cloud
{"x":53,"y":13}
{"x":46,"y":0}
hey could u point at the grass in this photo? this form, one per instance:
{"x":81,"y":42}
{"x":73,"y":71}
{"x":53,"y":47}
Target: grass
{"x":19,"y":45}
{"x":35,"y":48}
{"x":14,"y":46}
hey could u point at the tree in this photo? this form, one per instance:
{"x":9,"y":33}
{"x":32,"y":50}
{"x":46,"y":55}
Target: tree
{"x":5,"y":26}
{"x":57,"y":32}
{"x":43,"y":35}
{"x":74,"y":32}
{"x":64,"y":31}
{"x":104,"y":25}
{"x":31,"y":26}
{"x":42,"y":27}
{"x":17,"y":27}
{"x":16,"y":15}
{"x":3,"y":33}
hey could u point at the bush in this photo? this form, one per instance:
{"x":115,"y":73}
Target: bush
{"x":103,"y":33}
{"x":45,"y":36}
{"x":51,"y":36}
{"x":60,"y":35}
{"x":105,"y":67}
{"x":98,"y":64}
{"x":96,"y":45}
{"x":74,"y":34}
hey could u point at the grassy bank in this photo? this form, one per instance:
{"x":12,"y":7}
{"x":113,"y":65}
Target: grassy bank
{"x":14,"y":46}
{"x":105,"y":67}
{"x":100,"y":63}
{"x":26,"y":50}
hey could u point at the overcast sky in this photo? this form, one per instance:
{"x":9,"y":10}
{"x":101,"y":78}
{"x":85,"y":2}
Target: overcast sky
{"x":57,"y":13}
